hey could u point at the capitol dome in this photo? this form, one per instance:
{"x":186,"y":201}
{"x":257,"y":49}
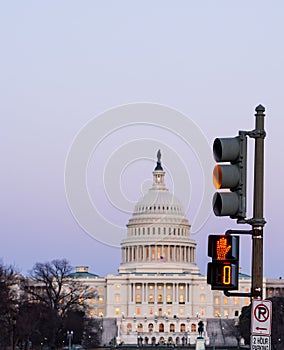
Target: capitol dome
{"x":158,"y":233}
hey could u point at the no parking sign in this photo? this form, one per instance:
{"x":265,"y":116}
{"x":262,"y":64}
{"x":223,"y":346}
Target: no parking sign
{"x":261,"y":317}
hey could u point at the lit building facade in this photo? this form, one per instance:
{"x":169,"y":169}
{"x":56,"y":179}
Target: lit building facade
{"x":159,"y":295}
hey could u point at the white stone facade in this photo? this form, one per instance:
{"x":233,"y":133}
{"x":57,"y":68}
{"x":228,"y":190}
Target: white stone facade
{"x":159,"y":294}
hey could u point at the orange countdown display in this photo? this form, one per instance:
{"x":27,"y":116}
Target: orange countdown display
{"x":222,"y":272}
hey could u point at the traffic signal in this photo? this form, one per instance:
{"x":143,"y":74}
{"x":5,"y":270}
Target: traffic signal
{"x":222,"y":272}
{"x":230,"y":176}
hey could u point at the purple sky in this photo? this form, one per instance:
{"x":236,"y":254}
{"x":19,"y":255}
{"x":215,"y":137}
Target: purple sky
{"x":65,"y":63}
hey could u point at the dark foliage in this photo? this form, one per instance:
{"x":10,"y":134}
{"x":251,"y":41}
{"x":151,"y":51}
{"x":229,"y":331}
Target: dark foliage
{"x":8,"y":304}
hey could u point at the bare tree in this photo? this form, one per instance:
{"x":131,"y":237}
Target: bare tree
{"x":8,"y":304}
{"x":52,"y":285}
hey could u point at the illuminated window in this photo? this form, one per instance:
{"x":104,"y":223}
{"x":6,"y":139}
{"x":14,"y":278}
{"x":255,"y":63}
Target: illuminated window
{"x":217,"y":301}
{"x":138,"y":311}
{"x":138,"y":286}
{"x":153,"y":251}
{"x":181,"y":299}
{"x":138,"y":298}
{"x":117,"y":286}
{"x":226,"y":313}
{"x":236,"y":300}
{"x":181,"y":287}
{"x":247,"y":301}
{"x":169,"y":312}
{"x":151,"y":298}
{"x":169,"y":299}
{"x":117,"y":311}
{"x":160,"y":286}
{"x":202,"y":298}
{"x":160,"y":298}
{"x":181,"y":311}
{"x":100,"y":289}
{"x":217,"y":313}
{"x":101,"y":312}
{"x":117,"y":298}
{"x":150,"y":311}
{"x":202,"y":287}
{"x":151,"y":286}
{"x":92,"y":313}
{"x":92,"y":301}
{"x":101,"y":300}
{"x":169,"y":286}
{"x":225,"y":301}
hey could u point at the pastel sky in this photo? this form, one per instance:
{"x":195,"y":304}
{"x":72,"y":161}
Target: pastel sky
{"x":65,"y":63}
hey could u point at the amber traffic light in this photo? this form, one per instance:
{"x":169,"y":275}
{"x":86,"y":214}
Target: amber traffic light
{"x":230,"y":176}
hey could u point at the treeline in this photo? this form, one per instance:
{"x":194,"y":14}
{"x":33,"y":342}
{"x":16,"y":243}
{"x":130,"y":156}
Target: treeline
{"x":39,"y":310}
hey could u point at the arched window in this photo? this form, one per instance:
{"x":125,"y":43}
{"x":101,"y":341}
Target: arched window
{"x":193,"y":327}
{"x":182,"y":327}
{"x":140,"y":327}
{"x":150,"y":327}
{"x":151,"y":299}
{"x":129,"y":327}
{"x":161,"y":327}
{"x":172,"y":327}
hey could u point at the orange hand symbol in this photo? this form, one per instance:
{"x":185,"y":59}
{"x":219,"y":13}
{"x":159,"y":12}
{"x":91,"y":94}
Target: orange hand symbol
{"x":222,"y":248}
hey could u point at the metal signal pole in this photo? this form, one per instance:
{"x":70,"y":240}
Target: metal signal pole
{"x":258,"y":221}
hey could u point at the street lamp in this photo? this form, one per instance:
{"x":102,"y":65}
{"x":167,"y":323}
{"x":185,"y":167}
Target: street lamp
{"x":69,"y":338}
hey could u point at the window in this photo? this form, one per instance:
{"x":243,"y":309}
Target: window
{"x":181,"y":299}
{"x":151,"y":299}
{"x":172,"y":327}
{"x":193,"y":327}
{"x":217,"y":301}
{"x":117,"y":311}
{"x":150,"y":327}
{"x":101,"y":300}
{"x":92,"y":313}
{"x":236,"y":300}
{"x":138,"y":298}
{"x":225,"y":301}
{"x":182,"y":327}
{"x":160,"y":299}
{"x":92,"y":301}
{"x":117,"y":298}
{"x":169,"y":299}
{"x":202,"y":298}
{"x":181,"y":311}
{"x":138,"y":311}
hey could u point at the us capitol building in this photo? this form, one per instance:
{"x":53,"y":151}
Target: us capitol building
{"x":159,"y":295}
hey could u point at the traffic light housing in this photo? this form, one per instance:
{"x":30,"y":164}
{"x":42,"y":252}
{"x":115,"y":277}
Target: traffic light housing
{"x":230,"y":176}
{"x":223,"y":271}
